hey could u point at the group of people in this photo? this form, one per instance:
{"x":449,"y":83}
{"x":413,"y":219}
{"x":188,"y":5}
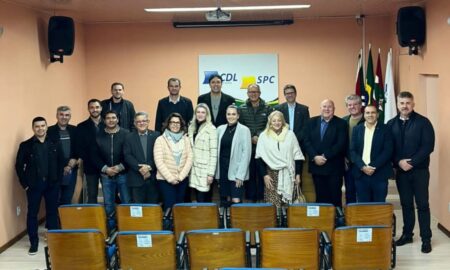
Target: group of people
{"x":252,"y":151}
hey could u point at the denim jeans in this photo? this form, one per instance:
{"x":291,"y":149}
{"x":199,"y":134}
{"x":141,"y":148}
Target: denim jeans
{"x":68,"y":187}
{"x":109,"y":186}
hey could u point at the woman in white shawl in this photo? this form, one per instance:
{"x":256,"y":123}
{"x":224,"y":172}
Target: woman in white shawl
{"x":203,"y":138}
{"x":279,"y":159}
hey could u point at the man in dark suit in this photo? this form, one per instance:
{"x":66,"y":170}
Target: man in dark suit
{"x":296,"y":114}
{"x":173,"y":103}
{"x":371,"y":151}
{"x":326,"y":144}
{"x":65,"y":133}
{"x":217,"y":101}
{"x":355,"y":117}
{"x":86,"y":134}
{"x":138,"y":151}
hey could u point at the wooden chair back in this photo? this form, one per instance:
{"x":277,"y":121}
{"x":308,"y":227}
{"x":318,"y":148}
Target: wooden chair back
{"x":290,"y":248}
{"x":194,"y":216}
{"x":83,"y":216}
{"x":139,"y":217}
{"x":211,"y":249}
{"x":362,"y":247}
{"x":142,"y":250}
{"x":76,"y":250}
{"x":362,"y":214}
{"x":319,"y":216}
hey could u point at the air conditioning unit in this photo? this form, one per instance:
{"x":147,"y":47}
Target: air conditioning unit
{"x":217,"y":15}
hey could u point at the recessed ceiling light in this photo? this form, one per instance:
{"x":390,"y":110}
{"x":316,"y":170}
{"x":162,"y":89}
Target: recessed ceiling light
{"x":237,"y":8}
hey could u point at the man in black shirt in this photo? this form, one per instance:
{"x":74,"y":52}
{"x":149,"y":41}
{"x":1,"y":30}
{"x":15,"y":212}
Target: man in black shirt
{"x":124,"y":108}
{"x":65,"y":133}
{"x":39,"y":169}
{"x":173,"y":103}
{"x":413,"y":143}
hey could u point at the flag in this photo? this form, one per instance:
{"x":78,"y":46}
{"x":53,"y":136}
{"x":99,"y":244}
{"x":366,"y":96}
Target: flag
{"x":378,"y":92}
{"x":370,"y":80}
{"x":359,"y":84}
{"x":390,"y":109}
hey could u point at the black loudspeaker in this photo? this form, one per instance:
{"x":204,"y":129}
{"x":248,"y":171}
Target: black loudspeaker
{"x":61,"y":37}
{"x":411,"y":27}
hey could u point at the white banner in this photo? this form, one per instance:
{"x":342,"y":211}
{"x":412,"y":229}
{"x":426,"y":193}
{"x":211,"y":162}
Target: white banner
{"x":238,"y":71}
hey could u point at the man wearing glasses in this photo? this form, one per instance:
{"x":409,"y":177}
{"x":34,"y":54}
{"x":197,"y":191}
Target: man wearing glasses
{"x":138,"y":151}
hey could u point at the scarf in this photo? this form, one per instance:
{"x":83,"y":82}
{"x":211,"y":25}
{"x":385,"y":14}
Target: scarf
{"x":176,"y":144}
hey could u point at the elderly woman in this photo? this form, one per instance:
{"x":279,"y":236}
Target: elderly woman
{"x":279,"y":159}
{"x":234,"y":151}
{"x":173,"y":160}
{"x":203,"y":138}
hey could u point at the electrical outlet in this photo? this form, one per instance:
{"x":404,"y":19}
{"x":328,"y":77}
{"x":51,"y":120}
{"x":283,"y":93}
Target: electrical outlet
{"x":18,"y":210}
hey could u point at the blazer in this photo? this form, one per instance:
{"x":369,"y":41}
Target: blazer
{"x":86,"y":135}
{"x":333,"y":146}
{"x":225,"y":101}
{"x":301,"y":117}
{"x":204,"y":149}
{"x":241,"y":152}
{"x":167,"y":169}
{"x":380,"y":154}
{"x":134,"y":155}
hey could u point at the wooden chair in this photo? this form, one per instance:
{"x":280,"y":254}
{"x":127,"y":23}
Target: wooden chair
{"x":83,"y":216}
{"x":362,"y":214}
{"x":362,"y":247}
{"x":194,"y":216}
{"x":319,"y":216}
{"x":76,"y":250}
{"x":291,"y":248}
{"x":147,"y":249}
{"x":253,"y":217}
{"x":214,"y":248}
{"x":139,"y":217}
{"x":233,"y":268}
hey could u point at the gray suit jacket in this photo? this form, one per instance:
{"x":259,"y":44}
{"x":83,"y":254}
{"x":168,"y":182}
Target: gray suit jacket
{"x":241,"y":152}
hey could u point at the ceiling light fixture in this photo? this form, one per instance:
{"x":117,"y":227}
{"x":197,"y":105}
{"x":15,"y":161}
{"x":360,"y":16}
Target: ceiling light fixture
{"x":237,"y":8}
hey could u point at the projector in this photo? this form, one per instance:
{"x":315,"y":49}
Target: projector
{"x":217,"y":15}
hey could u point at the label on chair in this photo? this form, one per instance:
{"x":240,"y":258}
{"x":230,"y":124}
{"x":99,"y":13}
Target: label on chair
{"x":136,"y":211}
{"x":363,"y":235}
{"x":313,"y":211}
{"x":143,"y":240}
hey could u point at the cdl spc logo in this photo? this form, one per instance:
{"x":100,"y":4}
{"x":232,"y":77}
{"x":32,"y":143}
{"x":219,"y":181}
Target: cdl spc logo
{"x":245,"y":80}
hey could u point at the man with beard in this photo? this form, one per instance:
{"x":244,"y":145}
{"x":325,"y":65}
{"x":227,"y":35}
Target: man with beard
{"x":124,"y":108}
{"x":87,"y":131}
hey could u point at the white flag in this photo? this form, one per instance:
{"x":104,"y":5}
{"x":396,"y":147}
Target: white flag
{"x":390,"y":108}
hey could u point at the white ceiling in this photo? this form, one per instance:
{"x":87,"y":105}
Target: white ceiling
{"x":100,"y":11}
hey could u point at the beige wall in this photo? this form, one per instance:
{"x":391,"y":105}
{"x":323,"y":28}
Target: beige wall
{"x":30,"y":86}
{"x":412,"y":70}
{"x":319,"y":56}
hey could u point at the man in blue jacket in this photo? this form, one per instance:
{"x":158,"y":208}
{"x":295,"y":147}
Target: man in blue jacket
{"x":371,"y":151}
{"x":413,"y":143}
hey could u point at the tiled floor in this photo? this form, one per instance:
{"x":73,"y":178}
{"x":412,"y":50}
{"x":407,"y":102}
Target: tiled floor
{"x":409,"y":257}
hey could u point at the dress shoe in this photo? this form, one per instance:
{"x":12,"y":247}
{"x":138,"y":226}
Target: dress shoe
{"x":426,"y":247}
{"x":34,"y":249}
{"x":403,"y":240}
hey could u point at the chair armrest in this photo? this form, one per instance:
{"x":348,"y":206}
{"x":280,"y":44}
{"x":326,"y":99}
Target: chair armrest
{"x":222,"y":221}
{"x":340,"y":217}
{"x":393,"y":254}
{"x":227,"y":218}
{"x":181,"y":251}
{"x":284,"y":216}
{"x":168,"y":219}
{"x":47,"y":258}
{"x":394,"y":225}
{"x":248,"y":254}
{"x":258,"y":249}
{"x":111,"y":238}
{"x":325,"y":251}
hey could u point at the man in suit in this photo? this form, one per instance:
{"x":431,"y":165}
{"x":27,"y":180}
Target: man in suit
{"x":296,"y":114}
{"x":39,"y":169}
{"x":217,"y":101}
{"x":138,"y":151}
{"x":371,"y":151}
{"x":413,"y":144}
{"x":326,"y":145}
{"x":124,"y":108}
{"x":65,"y":133}
{"x":355,"y":117}
{"x":86,"y":133}
{"x":173,"y":103}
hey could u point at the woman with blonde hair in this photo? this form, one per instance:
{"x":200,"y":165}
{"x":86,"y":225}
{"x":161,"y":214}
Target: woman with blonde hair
{"x":203,"y":139}
{"x":173,"y":160}
{"x":279,"y":159}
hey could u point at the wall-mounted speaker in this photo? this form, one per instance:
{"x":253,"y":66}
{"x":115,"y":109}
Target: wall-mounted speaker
{"x":61,"y":37}
{"x":411,"y":27}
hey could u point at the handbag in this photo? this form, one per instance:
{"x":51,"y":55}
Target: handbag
{"x":300,"y":197}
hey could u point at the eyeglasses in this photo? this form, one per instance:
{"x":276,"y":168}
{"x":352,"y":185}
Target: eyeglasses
{"x":141,"y":121}
{"x":175,"y":123}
